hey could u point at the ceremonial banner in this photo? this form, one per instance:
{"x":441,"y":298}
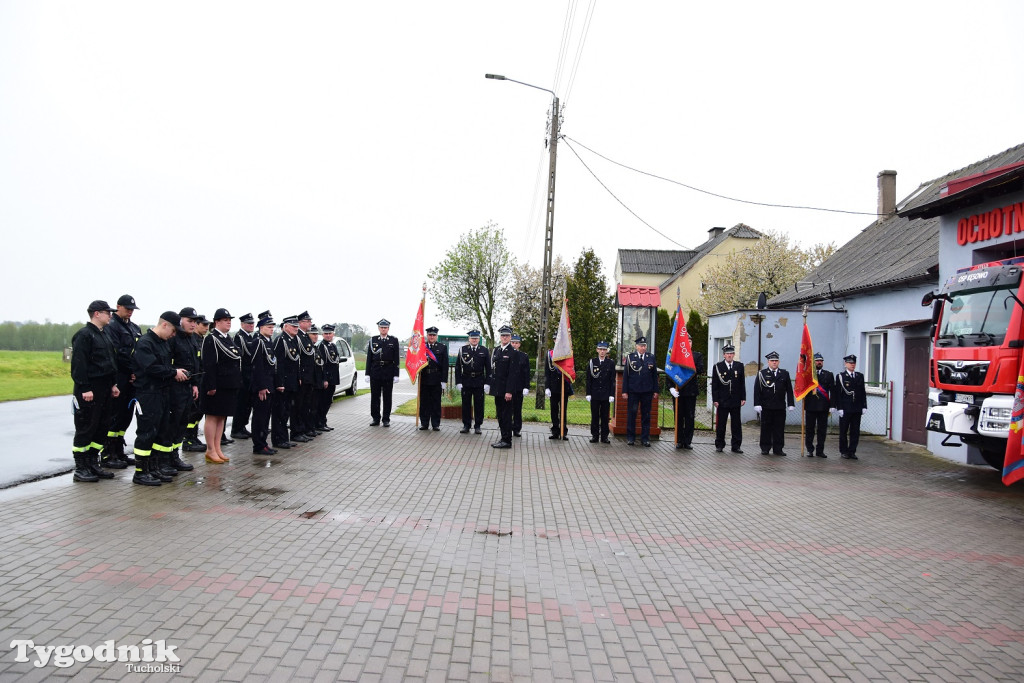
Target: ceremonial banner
{"x":806,"y":375}
{"x":679,"y":363}
{"x":561,"y":352}
{"x":416,"y":353}
{"x":1013,"y":465}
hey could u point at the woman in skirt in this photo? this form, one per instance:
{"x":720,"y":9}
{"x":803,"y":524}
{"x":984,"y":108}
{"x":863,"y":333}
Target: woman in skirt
{"x":222,"y":378}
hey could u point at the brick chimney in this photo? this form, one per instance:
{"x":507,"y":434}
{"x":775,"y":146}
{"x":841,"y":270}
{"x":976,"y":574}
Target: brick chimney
{"x":715,"y":232}
{"x":886,"y":194}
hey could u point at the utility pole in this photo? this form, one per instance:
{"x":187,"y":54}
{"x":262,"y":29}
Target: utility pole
{"x":549,"y":235}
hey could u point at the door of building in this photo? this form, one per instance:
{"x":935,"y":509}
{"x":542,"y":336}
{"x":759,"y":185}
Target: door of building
{"x":915,"y":389}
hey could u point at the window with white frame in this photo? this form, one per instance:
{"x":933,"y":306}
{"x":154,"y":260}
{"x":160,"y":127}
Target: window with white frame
{"x":874,"y":358}
{"x":720,"y":343}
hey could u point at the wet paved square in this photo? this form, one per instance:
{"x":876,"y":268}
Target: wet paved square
{"x":397,"y":554}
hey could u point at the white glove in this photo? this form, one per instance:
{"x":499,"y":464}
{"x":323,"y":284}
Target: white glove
{"x":791,"y":408}
{"x":396,"y":380}
{"x":757,"y":409}
{"x":487,"y":388}
{"x":674,"y":392}
{"x":588,"y":399}
{"x":547,"y":393}
{"x":840,"y":413}
{"x":526,"y":392}
{"x":444,"y":386}
{"x":862,"y":411}
{"x":611,"y":399}
{"x":459,"y":387}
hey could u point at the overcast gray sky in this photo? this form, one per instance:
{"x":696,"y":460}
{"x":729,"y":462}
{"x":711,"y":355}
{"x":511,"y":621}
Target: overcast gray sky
{"x":324,"y":156}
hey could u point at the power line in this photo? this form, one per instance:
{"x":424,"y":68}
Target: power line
{"x":566,"y":141}
{"x":579,"y":49}
{"x":714,"y":194}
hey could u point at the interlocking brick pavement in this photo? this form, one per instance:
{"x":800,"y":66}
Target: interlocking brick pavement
{"x":395,"y":554}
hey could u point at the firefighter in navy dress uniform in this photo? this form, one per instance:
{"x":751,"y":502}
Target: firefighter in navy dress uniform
{"x":222,"y":379}
{"x":600,"y":392}
{"x":851,"y":400}
{"x":554,"y":381}
{"x":287,"y":353}
{"x":729,"y":394}
{"x":244,"y":339}
{"x":319,"y":381}
{"x":433,"y":382}
{"x":773,"y":397}
{"x":263,"y":387}
{"x":382,"y":353}
{"x":472,"y":378}
{"x":524,"y":379}
{"x":506,"y":384}
{"x":687,"y":395}
{"x":302,"y":409}
{"x":332,"y":376}
{"x":818,"y":404}
{"x":639,"y":384}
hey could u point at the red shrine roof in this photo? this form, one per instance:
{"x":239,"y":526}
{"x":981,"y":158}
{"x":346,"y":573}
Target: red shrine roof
{"x":631,"y":295}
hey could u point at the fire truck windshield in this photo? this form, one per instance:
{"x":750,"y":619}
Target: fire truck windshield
{"x":979,"y":317}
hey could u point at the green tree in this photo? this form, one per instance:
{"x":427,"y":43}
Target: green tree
{"x":526,"y":300}
{"x":770,"y":265}
{"x":662,"y":337}
{"x":592,"y":311}
{"x":473,"y":284}
{"x":698,"y":331}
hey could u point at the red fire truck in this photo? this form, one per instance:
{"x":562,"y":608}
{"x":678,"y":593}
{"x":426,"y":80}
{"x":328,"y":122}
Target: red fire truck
{"x":977,"y":344}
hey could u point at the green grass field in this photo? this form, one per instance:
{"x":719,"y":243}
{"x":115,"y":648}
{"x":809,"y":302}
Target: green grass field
{"x":33,"y":374}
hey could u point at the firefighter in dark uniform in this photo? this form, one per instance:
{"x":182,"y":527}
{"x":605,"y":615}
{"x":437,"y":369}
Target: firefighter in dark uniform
{"x":687,"y":404}
{"x":639,"y":385}
{"x":244,"y":340}
{"x":554,"y":382}
{"x":524,"y":379}
{"x":473,"y":378}
{"x":185,"y":354}
{"x":319,"y":380}
{"x":382,"y":368}
{"x":264,"y":384}
{"x":433,"y":382}
{"x":287,"y":353}
{"x":302,"y":425}
{"x":192,"y":443}
{"x":332,"y":376}
{"x":773,"y":397}
{"x":817,"y":405}
{"x":506,"y":383}
{"x":600,"y":392}
{"x":94,"y":371}
{"x":154,"y":374}
{"x":728,"y":394}
{"x":123,"y":333}
{"x":851,"y":400}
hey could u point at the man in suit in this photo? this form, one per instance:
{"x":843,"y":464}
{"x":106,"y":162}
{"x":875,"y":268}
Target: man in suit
{"x":817,"y":405}
{"x":524,"y":379}
{"x":382,"y":353}
{"x":263,"y":385}
{"x":287,"y":353}
{"x":639,"y":384}
{"x":600,"y":392}
{"x":472,"y":378}
{"x":433,"y":381}
{"x":505,"y":384}
{"x":851,"y":400}
{"x":728,"y":393}
{"x":773,"y":397}
{"x":555,"y":381}
{"x":245,"y":339}
{"x":332,"y":376}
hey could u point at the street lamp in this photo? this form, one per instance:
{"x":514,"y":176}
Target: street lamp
{"x":545,"y":305}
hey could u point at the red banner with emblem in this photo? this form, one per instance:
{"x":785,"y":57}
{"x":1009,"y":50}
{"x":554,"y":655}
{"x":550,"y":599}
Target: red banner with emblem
{"x":561,"y":353}
{"x":806,"y":375}
{"x":416,"y":353}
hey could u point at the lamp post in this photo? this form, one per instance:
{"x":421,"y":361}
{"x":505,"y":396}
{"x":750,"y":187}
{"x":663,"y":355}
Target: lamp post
{"x":545,"y":297}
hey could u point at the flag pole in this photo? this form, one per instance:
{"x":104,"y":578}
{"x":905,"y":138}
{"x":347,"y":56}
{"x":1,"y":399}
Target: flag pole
{"x":563,"y":404}
{"x":803,"y":401}
{"x":423,"y":307}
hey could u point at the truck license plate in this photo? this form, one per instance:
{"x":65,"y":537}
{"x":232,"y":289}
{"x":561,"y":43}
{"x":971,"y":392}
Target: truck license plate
{"x":964,"y":398}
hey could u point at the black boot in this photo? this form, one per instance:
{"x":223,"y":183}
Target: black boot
{"x":125,"y":451}
{"x":142,"y":473}
{"x":82,"y":470}
{"x":161,"y":465}
{"x":179,"y":464}
{"x":111,"y":456}
{"x":93,"y":460}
